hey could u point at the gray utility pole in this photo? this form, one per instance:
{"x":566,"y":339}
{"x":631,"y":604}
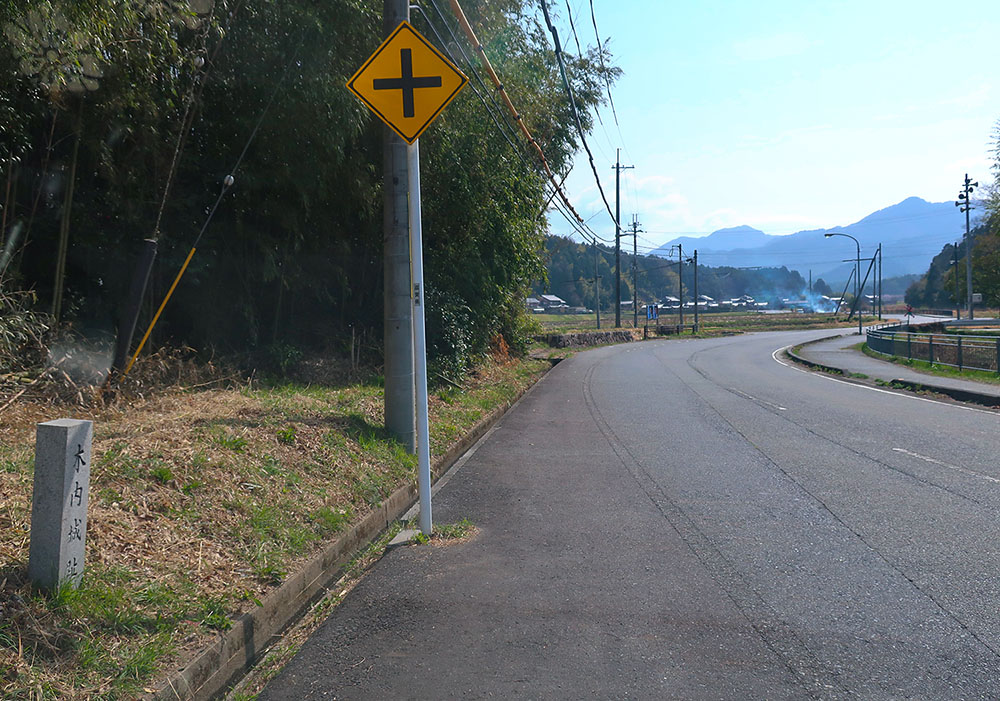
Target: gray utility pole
{"x":400,"y":416}
{"x":597,"y":286}
{"x":680,"y":283}
{"x":618,"y":237}
{"x":635,"y":265}
{"x":958,"y":290}
{"x":965,"y":203}
{"x":880,"y":282}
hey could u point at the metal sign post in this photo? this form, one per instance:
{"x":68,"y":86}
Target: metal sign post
{"x":419,"y":339}
{"x":407,"y":82}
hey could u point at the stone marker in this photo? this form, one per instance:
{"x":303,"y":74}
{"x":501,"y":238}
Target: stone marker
{"x":59,"y":503}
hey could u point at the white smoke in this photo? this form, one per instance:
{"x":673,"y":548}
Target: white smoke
{"x":86,"y":363}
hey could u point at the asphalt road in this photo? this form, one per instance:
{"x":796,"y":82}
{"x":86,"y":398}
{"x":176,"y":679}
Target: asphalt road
{"x":692,"y":520}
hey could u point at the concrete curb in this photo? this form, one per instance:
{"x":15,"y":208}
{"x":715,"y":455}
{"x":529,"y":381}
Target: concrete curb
{"x":811,"y":363}
{"x":960,"y":395}
{"x":238,"y":649}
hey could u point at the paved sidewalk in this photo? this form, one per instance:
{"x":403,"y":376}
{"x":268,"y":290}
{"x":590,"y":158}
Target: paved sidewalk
{"x":839,"y":352}
{"x":576,"y":585}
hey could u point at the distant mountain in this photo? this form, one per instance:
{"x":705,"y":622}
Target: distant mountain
{"x":911,"y":232}
{"x":723,"y":240}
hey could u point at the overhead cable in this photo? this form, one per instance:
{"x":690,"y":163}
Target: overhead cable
{"x":579,"y":51}
{"x":600,"y":55}
{"x":488,"y":67}
{"x":579,"y":226}
{"x":498,"y":122}
{"x":509,"y":131}
{"x":572,"y":104}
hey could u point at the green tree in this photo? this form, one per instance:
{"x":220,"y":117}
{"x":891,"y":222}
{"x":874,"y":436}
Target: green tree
{"x":936,"y":289}
{"x":156,"y":101}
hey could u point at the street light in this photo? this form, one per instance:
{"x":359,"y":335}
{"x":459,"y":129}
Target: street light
{"x":857,"y":273}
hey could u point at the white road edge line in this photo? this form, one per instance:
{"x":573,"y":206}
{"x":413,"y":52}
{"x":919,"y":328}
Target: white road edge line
{"x":935,"y":461}
{"x":774,"y":356}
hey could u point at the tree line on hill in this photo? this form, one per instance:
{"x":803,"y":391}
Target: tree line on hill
{"x":944,"y":285}
{"x":572,"y":266}
{"x":120,"y":120}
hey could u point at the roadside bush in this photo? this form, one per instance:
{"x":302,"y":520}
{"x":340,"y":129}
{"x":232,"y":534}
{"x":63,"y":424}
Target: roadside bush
{"x":22,"y":332}
{"x":449,"y":336}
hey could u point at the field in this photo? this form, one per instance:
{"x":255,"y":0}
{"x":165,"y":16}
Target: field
{"x":713,"y":324}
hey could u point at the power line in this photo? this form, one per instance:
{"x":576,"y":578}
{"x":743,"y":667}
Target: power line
{"x":508,"y":133}
{"x":597,"y":112}
{"x":569,"y":14}
{"x":607,"y":80}
{"x":572,"y":103}
{"x":556,"y":188}
{"x":464,"y":22}
{"x":600,"y":54}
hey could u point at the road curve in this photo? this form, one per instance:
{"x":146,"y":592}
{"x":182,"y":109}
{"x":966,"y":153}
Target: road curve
{"x":692,"y":519}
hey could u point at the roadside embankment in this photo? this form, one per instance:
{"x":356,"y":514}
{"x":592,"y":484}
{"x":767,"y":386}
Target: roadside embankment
{"x":216,"y":516}
{"x":589,"y":338}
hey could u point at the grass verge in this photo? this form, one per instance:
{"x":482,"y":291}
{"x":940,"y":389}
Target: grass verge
{"x":201,"y":503}
{"x":923,"y":366}
{"x":282,"y":652}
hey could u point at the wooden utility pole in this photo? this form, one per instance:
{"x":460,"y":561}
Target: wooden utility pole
{"x":400,"y":418}
{"x":597,"y":286}
{"x":680,"y":283}
{"x":618,"y":237}
{"x":635,"y":266}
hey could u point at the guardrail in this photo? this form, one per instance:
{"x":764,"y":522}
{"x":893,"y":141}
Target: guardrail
{"x":964,"y":352}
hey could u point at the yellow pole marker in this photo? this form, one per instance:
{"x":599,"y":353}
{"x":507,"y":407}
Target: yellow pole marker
{"x":227,"y":183}
{"x":158,"y":312}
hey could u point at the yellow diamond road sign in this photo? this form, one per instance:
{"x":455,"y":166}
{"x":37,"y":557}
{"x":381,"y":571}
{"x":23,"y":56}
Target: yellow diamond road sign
{"x":407,"y":82}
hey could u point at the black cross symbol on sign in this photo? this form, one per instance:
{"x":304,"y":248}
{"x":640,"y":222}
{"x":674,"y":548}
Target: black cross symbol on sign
{"x":407,"y":83}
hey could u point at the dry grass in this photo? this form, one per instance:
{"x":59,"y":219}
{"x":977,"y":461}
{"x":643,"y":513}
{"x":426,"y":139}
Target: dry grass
{"x":202,"y":500}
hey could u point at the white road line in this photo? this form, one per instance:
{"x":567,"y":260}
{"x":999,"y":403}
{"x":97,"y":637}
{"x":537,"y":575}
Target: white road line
{"x":774,"y":356}
{"x":755,"y":399}
{"x":963,"y":470}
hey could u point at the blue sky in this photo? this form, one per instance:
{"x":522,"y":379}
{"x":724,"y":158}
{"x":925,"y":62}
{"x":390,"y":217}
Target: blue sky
{"x":786,"y":115}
